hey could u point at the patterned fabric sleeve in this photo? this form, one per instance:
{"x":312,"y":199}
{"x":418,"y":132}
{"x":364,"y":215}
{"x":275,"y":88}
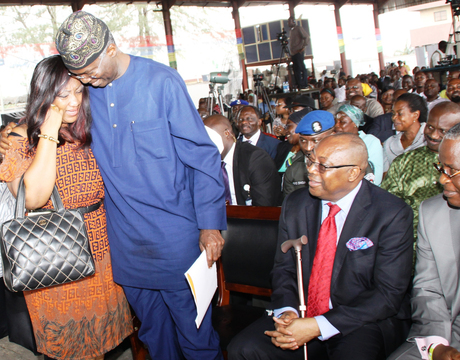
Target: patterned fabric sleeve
{"x":16,"y":161}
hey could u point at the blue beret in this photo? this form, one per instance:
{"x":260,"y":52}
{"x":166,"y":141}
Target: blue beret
{"x":315,"y":122}
{"x":239,"y":102}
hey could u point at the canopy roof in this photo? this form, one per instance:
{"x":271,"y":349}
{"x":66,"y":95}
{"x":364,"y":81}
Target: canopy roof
{"x":383,"y":5}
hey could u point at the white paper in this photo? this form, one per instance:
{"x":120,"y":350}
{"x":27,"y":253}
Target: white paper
{"x":203,"y":284}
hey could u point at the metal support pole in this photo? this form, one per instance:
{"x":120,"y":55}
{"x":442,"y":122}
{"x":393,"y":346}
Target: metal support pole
{"x":239,"y":42}
{"x":343,"y":58}
{"x":291,"y":9}
{"x":378,"y":37}
{"x":169,"y":33}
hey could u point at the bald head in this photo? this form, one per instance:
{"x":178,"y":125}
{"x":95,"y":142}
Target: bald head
{"x":221,"y":125}
{"x":336,"y":166}
{"x":350,"y":146}
{"x":216,"y":122}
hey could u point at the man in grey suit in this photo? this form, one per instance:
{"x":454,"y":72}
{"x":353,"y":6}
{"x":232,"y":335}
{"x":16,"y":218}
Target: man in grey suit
{"x":436,"y":292}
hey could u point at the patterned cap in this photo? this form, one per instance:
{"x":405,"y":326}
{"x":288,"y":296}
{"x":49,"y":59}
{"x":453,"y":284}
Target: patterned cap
{"x":81,"y":39}
{"x":354,"y":113}
{"x":315,"y":122}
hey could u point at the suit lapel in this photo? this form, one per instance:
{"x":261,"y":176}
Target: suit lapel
{"x":261,"y":140}
{"x":236,"y":172}
{"x":449,"y":252}
{"x":313,"y":220}
{"x":356,"y":217}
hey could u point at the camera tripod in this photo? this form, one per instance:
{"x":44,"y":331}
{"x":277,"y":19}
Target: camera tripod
{"x":215,"y":95}
{"x":259,"y":87}
{"x":284,"y":52}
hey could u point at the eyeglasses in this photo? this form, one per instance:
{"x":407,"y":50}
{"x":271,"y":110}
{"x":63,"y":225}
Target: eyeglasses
{"x":84,"y":76}
{"x":352,"y":87}
{"x":438,"y":166}
{"x":323,"y":168}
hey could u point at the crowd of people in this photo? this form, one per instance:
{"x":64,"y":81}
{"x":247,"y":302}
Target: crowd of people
{"x":366,"y":172}
{"x":373,"y":146}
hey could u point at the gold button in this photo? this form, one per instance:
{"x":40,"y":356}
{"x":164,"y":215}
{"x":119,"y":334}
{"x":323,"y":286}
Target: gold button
{"x":114,"y":125}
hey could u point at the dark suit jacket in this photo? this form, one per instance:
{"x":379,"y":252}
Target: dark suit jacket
{"x":367,"y":286}
{"x":282,"y":151}
{"x":367,"y":123}
{"x":253,"y":166}
{"x":269,"y":144}
{"x":382,"y":127}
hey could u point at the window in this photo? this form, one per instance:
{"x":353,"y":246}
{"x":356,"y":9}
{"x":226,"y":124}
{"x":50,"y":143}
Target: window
{"x":440,"y":15}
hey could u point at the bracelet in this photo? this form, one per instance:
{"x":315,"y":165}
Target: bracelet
{"x":431,"y":350}
{"x":50,"y":138}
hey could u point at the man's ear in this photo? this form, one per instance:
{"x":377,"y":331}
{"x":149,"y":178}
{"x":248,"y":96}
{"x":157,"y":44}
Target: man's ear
{"x":354,"y":173}
{"x":111,"y":50}
{"x":260,"y":122}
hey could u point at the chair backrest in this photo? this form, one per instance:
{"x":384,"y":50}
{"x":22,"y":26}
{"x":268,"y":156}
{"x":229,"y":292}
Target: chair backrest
{"x":249,"y":251}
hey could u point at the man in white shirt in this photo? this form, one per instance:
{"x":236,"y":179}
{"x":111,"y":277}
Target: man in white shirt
{"x":437,"y":56}
{"x":252,"y":176}
{"x":340,"y":92}
{"x":249,"y":122}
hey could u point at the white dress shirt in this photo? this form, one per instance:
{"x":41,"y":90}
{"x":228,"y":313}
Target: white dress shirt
{"x":228,"y":160}
{"x":254,"y":138}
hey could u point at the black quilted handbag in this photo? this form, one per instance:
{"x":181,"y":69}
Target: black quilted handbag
{"x":44,"y":248}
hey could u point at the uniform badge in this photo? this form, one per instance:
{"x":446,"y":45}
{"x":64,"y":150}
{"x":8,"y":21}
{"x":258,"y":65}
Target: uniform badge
{"x":316,"y":127}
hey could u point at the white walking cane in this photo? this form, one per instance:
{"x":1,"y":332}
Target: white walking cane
{"x":297,"y":245}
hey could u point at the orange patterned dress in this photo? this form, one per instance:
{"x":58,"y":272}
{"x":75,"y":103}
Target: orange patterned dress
{"x":86,"y":318}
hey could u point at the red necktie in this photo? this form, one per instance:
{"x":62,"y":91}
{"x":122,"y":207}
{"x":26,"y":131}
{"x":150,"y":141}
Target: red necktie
{"x":319,"y":288}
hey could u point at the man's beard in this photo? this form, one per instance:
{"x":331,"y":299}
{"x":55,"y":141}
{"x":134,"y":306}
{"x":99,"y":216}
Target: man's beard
{"x":455,"y":98}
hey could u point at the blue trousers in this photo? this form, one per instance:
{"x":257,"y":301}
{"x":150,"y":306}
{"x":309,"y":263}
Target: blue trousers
{"x":168,"y":325}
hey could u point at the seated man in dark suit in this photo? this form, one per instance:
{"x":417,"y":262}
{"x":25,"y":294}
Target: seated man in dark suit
{"x":251,"y":174}
{"x":249,"y":122}
{"x":356,"y":265}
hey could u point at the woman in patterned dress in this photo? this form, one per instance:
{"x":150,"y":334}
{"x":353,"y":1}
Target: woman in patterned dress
{"x":86,"y":318}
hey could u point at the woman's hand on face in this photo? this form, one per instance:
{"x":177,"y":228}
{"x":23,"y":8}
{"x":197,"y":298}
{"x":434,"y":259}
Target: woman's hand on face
{"x":279,"y":130}
{"x":53,"y":121}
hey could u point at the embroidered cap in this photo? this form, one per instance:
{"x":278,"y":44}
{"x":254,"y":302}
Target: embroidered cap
{"x":315,"y":122}
{"x":81,"y":39}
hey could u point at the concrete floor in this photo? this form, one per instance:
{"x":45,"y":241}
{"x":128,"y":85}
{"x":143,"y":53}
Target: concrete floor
{"x":11,"y":351}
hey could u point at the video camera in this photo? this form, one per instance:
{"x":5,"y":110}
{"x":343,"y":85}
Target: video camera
{"x":219,"y":77}
{"x":282,"y":38}
{"x":258,"y":77}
